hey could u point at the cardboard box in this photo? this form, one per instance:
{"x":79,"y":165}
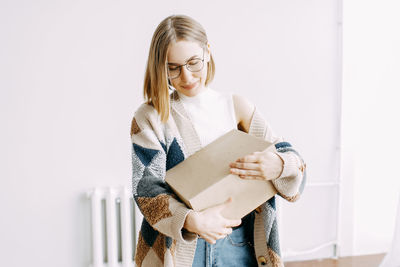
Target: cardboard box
{"x":204,"y":180}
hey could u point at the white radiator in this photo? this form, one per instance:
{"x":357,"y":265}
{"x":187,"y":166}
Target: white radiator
{"x":114,"y":227}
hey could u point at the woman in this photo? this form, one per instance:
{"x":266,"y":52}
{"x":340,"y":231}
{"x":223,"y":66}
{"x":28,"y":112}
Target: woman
{"x":171,"y":126}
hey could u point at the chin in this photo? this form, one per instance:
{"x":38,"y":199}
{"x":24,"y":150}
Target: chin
{"x":194,"y":91}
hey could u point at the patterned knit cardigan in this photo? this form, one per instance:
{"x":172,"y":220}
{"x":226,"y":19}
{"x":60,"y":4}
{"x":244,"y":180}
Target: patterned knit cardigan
{"x":158,"y":147}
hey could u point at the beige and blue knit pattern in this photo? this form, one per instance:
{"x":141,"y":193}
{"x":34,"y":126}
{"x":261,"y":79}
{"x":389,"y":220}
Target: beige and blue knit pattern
{"x":157,"y":147}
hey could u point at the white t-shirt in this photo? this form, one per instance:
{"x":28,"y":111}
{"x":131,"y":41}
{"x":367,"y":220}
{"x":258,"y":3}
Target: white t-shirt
{"x":212,"y":114}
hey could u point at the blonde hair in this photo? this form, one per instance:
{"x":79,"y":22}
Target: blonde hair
{"x":172,"y":29}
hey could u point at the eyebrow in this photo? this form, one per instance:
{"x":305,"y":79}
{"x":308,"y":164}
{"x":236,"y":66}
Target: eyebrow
{"x":192,"y":57}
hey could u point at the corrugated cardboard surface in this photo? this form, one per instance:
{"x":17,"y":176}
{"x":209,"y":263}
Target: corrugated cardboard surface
{"x":204,"y":180}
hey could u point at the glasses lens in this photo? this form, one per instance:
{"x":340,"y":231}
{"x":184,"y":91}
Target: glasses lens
{"x":173,"y":72}
{"x":195,"y":65}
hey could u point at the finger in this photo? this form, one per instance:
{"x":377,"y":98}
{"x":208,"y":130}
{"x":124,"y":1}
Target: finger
{"x":224,"y":204}
{"x":247,"y":177}
{"x":226,"y":231}
{"x":233,"y":223}
{"x":245,"y":172}
{"x":229,"y":230}
{"x":221,"y":233}
{"x":246,"y":166}
{"x":221,"y":236}
{"x":209,"y":239}
{"x":227,"y":202}
{"x":253,"y":177}
{"x":248,"y":158}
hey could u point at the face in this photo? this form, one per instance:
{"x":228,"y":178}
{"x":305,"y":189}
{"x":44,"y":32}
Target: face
{"x":188,"y":83}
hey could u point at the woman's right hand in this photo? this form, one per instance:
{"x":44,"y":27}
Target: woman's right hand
{"x":210,"y":224}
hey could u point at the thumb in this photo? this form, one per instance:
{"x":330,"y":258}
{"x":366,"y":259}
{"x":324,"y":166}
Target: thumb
{"x":224,"y":204}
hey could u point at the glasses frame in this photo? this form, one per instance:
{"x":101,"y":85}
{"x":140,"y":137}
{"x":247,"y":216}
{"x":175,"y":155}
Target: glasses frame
{"x":186,"y":65}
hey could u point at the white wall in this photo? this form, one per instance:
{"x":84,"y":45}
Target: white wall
{"x":71,"y":77}
{"x":68,"y":89}
{"x":371,"y":130}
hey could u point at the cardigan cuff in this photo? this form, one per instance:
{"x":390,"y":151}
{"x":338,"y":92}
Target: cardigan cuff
{"x":290,"y":166}
{"x":289,"y":181}
{"x":177,"y":226}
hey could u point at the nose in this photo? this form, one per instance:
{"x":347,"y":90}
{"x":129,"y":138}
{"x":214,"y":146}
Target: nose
{"x":185,"y":74}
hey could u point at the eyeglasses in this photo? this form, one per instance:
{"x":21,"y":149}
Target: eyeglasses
{"x":192,"y":65}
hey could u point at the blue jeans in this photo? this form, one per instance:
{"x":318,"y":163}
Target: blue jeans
{"x":237,"y":249}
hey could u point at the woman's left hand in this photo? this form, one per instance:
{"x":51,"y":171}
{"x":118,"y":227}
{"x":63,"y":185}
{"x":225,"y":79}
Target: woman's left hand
{"x":265,"y":165}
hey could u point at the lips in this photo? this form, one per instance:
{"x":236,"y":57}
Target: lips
{"x":189,"y":86}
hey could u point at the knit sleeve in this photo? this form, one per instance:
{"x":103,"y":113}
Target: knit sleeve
{"x":159,"y":205}
{"x":290,"y":184}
